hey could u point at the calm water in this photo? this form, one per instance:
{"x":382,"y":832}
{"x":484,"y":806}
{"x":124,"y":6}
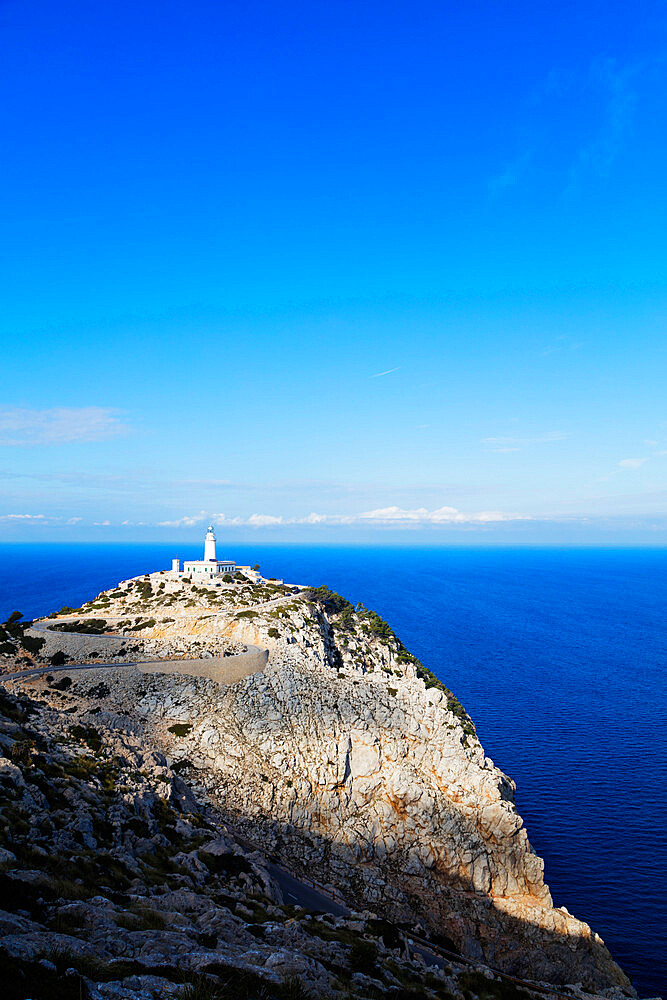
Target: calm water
{"x":559,"y":656}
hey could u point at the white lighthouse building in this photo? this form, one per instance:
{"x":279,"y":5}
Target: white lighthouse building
{"x":209,"y":546}
{"x":210,"y":567}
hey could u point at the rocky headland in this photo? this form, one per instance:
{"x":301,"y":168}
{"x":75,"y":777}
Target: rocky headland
{"x":261,"y":793}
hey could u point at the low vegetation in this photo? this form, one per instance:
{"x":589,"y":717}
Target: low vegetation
{"x":87,"y":626}
{"x":13,"y":638}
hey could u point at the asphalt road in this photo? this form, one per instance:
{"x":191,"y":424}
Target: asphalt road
{"x":36,"y":671}
{"x":299,"y":894}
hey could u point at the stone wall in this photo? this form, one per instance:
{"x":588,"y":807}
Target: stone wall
{"x":225,"y":670}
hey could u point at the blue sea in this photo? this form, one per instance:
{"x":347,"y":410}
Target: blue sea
{"x":560,"y":657}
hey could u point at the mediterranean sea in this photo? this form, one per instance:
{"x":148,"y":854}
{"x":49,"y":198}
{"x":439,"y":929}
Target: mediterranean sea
{"x":559,"y":656}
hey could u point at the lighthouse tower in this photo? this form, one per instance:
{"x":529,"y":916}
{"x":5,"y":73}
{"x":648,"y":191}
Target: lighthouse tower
{"x":209,"y":545}
{"x":212,"y":569}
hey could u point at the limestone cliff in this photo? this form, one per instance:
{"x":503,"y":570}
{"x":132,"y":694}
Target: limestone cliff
{"x":347,"y":760}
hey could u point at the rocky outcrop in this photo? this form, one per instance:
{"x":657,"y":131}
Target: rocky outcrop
{"x":375,"y":790}
{"x":118,"y":883}
{"x":348,"y":761}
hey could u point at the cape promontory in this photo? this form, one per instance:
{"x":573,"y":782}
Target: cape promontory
{"x":250,"y":789}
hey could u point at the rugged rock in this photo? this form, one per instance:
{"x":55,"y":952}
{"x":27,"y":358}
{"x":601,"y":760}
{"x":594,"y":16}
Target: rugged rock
{"x":345,"y":759}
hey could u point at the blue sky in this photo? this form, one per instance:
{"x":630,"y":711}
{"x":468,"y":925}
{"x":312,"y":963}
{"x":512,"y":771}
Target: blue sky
{"x":334,"y":271}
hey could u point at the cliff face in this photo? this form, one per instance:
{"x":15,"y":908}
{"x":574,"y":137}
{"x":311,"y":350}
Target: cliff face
{"x":117,"y":884}
{"x":373,"y":787}
{"x":347,"y":761}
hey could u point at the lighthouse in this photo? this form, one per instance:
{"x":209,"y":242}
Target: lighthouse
{"x":213,"y":570}
{"x":209,"y":545}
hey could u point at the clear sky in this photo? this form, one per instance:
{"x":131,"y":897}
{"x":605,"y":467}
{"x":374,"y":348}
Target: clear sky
{"x":334,"y":271}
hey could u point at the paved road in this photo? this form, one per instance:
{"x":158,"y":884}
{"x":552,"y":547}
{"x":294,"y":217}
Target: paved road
{"x":300,"y":894}
{"x":44,"y":625}
{"x":36,"y":671}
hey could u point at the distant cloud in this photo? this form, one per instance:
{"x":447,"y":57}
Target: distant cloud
{"x":620,"y":101}
{"x":504,"y":444}
{"x":263,"y":520}
{"x":209,"y":482}
{"x":50,"y":519}
{"x":206,"y":517}
{"x":393,"y":515}
{"x":441,"y":515}
{"x":615,"y":87}
{"x":190,"y":520}
{"x":23,"y":517}
{"x":625,"y":465}
{"x":560,"y":344}
{"x":602,"y":100}
{"x":511,"y":174}
{"x":60,"y":425}
{"x":389,"y":371}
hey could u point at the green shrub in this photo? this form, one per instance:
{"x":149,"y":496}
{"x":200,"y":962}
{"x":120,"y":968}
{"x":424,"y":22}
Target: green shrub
{"x":181,"y":765}
{"x":363,"y":956}
{"x":90,"y":626}
{"x":332,"y":603}
{"x":225,"y":864}
{"x":21,"y":751}
{"x":12,"y":635}
{"x":65,"y":682}
{"x":150,"y":623}
{"x":88,"y":735}
{"x":180,"y":728}
{"x":33,"y":643}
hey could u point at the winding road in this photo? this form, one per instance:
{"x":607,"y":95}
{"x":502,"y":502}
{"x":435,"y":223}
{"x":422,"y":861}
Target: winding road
{"x":45,"y":625}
